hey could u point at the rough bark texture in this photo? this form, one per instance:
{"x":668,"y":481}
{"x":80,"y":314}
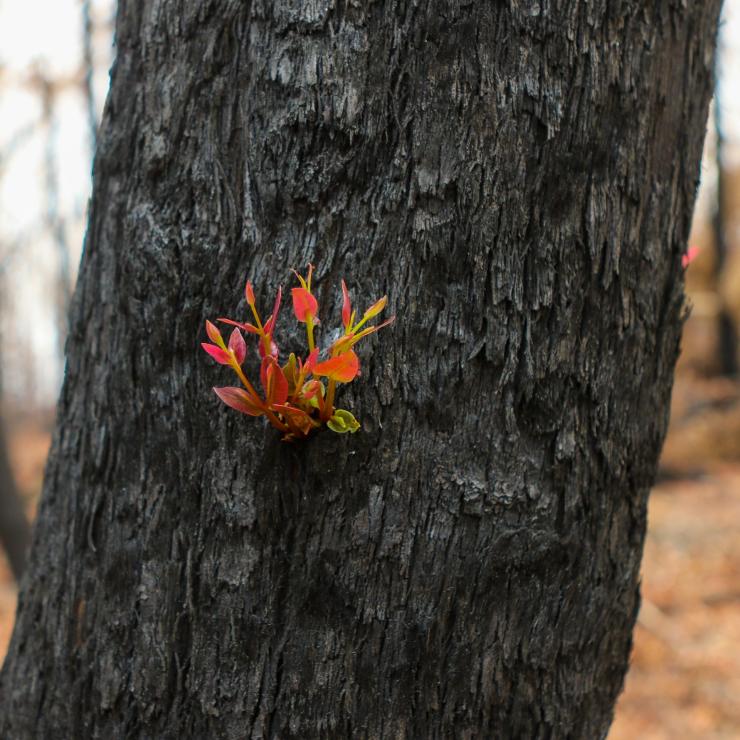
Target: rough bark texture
{"x":519,"y":178}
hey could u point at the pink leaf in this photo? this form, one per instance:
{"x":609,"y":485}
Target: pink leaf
{"x":240,"y":400}
{"x":220,"y":355}
{"x":305,"y":305}
{"x":690,"y":256}
{"x":238,"y":346}
{"x":251,"y":328}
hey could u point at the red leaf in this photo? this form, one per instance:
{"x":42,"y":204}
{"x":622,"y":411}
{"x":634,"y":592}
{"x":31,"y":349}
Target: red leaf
{"x":312,"y":360}
{"x":249,"y":293}
{"x":304,"y":304}
{"x":690,"y":256}
{"x":238,"y":346}
{"x":220,"y":355}
{"x":273,"y":381}
{"x":346,"y":306}
{"x":278,"y":384}
{"x":342,"y":369}
{"x":214,"y":334}
{"x":240,"y":400}
{"x":251,"y":328}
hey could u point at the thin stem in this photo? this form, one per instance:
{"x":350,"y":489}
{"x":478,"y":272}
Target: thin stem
{"x":329,"y":404}
{"x":256,"y":316}
{"x":264,"y":337}
{"x":245,"y":382}
{"x":276,"y":422}
{"x":309,"y":333}
{"x":354,"y":328}
{"x":268,"y":413}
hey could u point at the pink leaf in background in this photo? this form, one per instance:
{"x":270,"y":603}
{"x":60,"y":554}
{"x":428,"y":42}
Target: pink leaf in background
{"x":690,"y":256}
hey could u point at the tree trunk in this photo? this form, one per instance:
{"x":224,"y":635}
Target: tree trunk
{"x":15,"y":531}
{"x":15,"y":534}
{"x":519,"y":178}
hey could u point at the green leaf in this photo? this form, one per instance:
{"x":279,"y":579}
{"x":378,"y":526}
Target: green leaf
{"x":314,"y":400}
{"x":342,"y":422}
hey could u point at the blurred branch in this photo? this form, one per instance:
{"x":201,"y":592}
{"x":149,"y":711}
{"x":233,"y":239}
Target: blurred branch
{"x":15,"y":531}
{"x":53,"y":218}
{"x":8,"y":253}
{"x":35,"y":138}
{"x":89,"y":70}
{"x":16,"y":141}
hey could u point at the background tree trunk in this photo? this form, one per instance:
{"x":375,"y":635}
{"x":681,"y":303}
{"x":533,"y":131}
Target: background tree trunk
{"x":519,"y":178}
{"x":15,"y":534}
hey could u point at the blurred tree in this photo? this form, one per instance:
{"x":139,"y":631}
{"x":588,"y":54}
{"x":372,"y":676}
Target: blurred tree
{"x":519,"y":178}
{"x":15,"y":532}
{"x":53,"y":217}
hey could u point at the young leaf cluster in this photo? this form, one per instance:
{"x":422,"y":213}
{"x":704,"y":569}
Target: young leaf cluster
{"x":297,"y":396}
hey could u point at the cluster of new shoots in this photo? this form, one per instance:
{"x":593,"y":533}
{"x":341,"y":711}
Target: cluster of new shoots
{"x":298,"y":396}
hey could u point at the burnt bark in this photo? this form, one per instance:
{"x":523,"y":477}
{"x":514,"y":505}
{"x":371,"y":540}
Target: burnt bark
{"x":519,"y":178}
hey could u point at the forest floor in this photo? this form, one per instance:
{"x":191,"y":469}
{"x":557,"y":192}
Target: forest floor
{"x":684,"y":678}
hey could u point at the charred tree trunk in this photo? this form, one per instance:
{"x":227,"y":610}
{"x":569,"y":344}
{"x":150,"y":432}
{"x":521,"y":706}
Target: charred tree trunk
{"x":519,"y":178}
